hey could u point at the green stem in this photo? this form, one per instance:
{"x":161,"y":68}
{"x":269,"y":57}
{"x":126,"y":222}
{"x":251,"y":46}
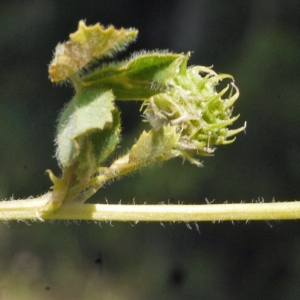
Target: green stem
{"x":106,"y":174}
{"x":75,"y":193}
{"x":30,"y":209}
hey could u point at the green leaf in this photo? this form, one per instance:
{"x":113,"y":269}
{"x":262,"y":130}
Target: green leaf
{"x":88,"y":112}
{"x":86,"y":44}
{"x":138,"y":78}
{"x":155,"y":145}
{"x":96,"y":146}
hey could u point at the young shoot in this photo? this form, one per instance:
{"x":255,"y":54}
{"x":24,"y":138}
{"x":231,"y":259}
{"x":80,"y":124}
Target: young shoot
{"x":188,"y":117}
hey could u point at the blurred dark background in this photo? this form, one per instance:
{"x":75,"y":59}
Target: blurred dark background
{"x":258,"y":42}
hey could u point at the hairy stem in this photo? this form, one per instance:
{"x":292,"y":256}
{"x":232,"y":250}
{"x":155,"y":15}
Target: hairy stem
{"x":30,"y":209}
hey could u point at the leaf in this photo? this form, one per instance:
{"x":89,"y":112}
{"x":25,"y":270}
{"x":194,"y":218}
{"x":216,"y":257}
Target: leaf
{"x":89,"y":111}
{"x":96,"y":146}
{"x":138,"y":78}
{"x":155,"y":145}
{"x":105,"y":141}
{"x":86,"y":44}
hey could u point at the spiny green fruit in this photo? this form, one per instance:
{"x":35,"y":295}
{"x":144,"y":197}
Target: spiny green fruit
{"x":199,"y":112}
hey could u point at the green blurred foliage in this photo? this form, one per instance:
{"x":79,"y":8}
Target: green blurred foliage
{"x":255,"y":41}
